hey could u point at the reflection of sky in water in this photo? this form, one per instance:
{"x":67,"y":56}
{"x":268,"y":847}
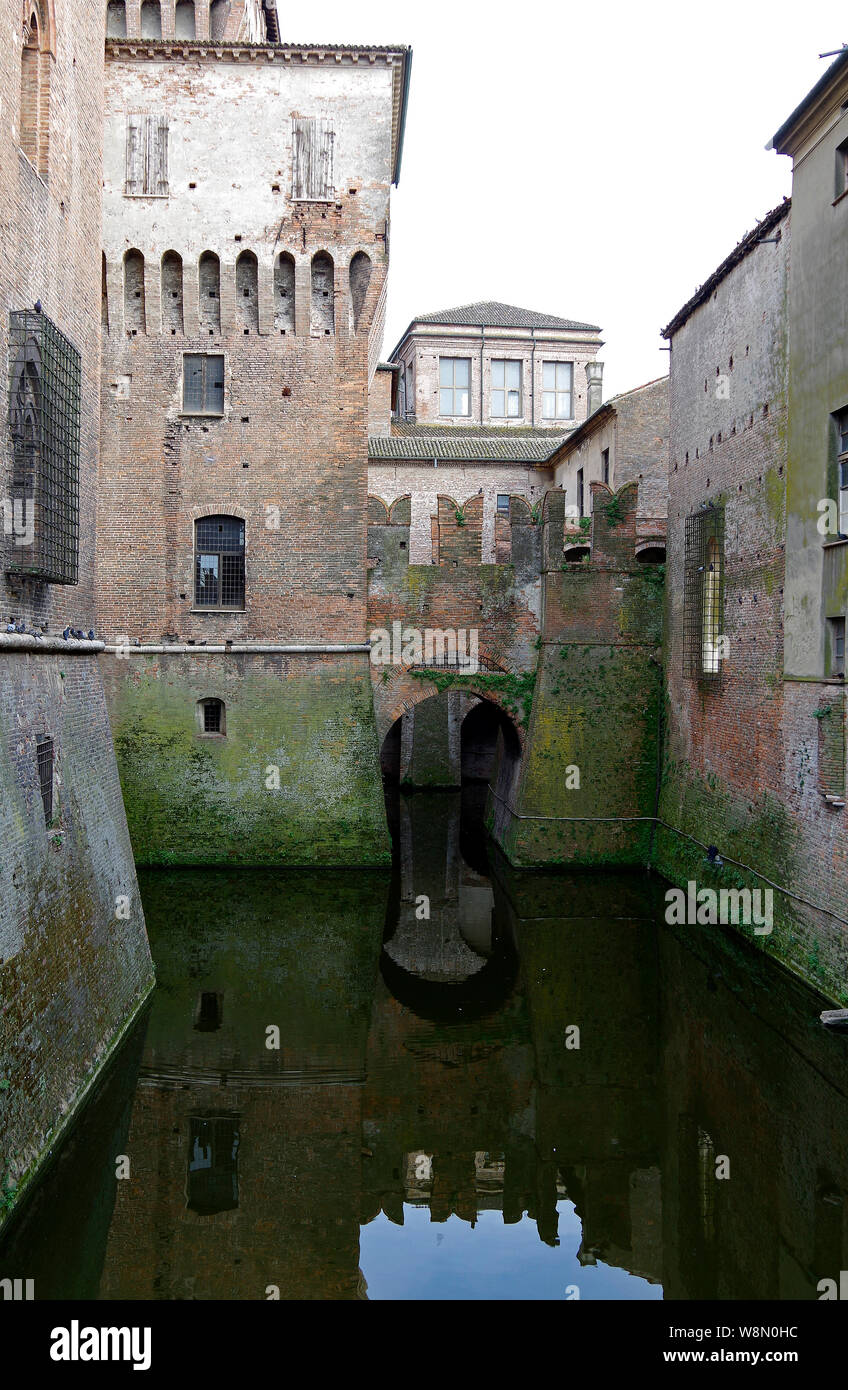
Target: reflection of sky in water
{"x":428,"y":1260}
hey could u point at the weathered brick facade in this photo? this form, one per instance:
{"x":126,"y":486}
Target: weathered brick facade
{"x":74,"y":965}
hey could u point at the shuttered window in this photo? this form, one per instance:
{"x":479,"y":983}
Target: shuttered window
{"x":147,"y":157}
{"x":312,"y":159}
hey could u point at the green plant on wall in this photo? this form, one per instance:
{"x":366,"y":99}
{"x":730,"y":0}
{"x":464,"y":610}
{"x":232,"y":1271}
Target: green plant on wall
{"x":585,"y":524}
{"x":613,"y":512}
{"x":460,"y":516}
{"x":8,"y":1192}
{"x":535,"y":513}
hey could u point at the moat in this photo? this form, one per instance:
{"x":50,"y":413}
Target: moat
{"x":539,"y":1090}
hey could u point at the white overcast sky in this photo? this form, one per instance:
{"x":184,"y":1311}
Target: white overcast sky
{"x":592,"y":160}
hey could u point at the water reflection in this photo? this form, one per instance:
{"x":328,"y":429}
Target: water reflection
{"x":454,"y":1081}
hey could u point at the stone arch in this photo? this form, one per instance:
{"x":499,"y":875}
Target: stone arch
{"x":378,"y":512}
{"x":323,"y":322}
{"x":359,"y":277}
{"x":135,"y":317}
{"x":284,"y":293}
{"x":651,"y":552}
{"x":247,"y":292}
{"x":172,"y":293}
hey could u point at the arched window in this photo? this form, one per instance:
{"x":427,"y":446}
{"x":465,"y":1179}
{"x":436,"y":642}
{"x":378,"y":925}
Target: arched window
{"x":25,"y":420}
{"x":212,"y":717}
{"x":219,"y":562}
{"x":184,"y":24}
{"x":218,"y":16}
{"x":284,"y":293}
{"x":34,"y":113}
{"x":116,"y":20}
{"x":151,"y":20}
{"x":172,"y":293}
{"x":323,"y":308}
{"x":209,"y":305}
{"x":247,"y":292}
{"x":134,"y":313}
{"x":360,"y":276}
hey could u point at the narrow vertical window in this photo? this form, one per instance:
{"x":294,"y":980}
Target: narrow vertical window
{"x":605,"y":471}
{"x":410,"y":389}
{"x":836,"y":643}
{"x":506,"y":389}
{"x":454,"y":386}
{"x":172,"y":293}
{"x":209,"y":292}
{"x":580,"y":496}
{"x":323,"y":306}
{"x":247,"y":292}
{"x":284,"y":293}
{"x":104,"y":295}
{"x":703,"y":594}
{"x":44,"y":759}
{"x":842,"y":469}
{"x":212,"y":1182}
{"x":151,"y":20}
{"x":219,"y":562}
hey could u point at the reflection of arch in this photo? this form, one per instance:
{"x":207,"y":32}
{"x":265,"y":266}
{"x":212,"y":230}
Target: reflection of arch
{"x":482,"y":993}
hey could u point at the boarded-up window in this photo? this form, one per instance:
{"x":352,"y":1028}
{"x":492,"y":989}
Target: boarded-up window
{"x":831,"y":718}
{"x":312,"y":159}
{"x":203,"y":384}
{"x":147,"y":157}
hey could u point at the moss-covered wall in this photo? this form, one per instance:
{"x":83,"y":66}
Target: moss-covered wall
{"x":195,"y":799}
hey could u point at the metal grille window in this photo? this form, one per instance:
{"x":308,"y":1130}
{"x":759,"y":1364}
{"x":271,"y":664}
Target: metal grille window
{"x":212,"y":712}
{"x":557,"y":379}
{"x":506,"y":389}
{"x":703,"y":595}
{"x":147,"y":157}
{"x":44,"y":758}
{"x":454,"y":386}
{"x":842,"y":466}
{"x":203,"y":384}
{"x":219,"y":562}
{"x":312,"y":159}
{"x":44,"y":423}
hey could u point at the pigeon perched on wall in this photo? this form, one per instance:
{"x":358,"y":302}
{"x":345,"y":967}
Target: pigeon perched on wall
{"x":91,"y":634}
{"x":66,"y":634}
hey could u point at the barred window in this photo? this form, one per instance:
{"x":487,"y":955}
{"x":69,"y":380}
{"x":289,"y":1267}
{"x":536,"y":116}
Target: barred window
{"x":211,"y":716}
{"x":44,"y":759}
{"x":203,"y":384}
{"x":219,"y":562}
{"x":312,"y":159}
{"x":703,"y":595}
{"x":147,"y":157}
{"x":44,"y":424}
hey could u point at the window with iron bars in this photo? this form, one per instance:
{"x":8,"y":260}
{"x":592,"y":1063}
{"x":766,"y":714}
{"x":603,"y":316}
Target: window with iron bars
{"x":44,"y":760}
{"x":703,"y":595}
{"x":45,"y":387}
{"x":219,"y":562}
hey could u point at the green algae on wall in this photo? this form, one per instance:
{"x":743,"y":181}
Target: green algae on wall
{"x":294,"y":780}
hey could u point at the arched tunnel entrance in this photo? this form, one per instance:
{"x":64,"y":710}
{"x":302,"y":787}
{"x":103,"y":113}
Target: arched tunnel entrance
{"x":445,"y":955}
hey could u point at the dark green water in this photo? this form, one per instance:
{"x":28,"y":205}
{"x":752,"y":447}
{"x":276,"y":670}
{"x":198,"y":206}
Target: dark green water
{"x":423,"y":1130}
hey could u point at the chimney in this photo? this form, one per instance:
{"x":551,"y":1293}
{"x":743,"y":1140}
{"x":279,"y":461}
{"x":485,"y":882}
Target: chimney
{"x":595,"y":378}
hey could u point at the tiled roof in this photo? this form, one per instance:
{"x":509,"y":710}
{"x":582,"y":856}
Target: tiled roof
{"x":464,"y":448}
{"x":491,"y":314}
{"x":739,"y":252}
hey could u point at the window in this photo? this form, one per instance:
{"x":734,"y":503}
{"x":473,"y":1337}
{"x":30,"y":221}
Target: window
{"x":506,"y":389}
{"x":211,"y":717}
{"x":219,"y":563}
{"x":556,"y":390}
{"x":146,"y":157}
{"x":703,"y":594}
{"x":580,"y":497}
{"x":135,"y":315}
{"x":184,"y":20}
{"x":209,"y":290}
{"x":284,"y":293}
{"x":218,"y":16}
{"x":172,"y":292}
{"x":116,"y":19}
{"x":503,"y":503}
{"x":836,"y":637}
{"x":312,"y":159}
{"x":151,"y":20}
{"x":44,"y":423}
{"x":841,"y":169}
{"x":203,"y":384}
{"x":247,"y":292}
{"x":44,"y":759}
{"x":842,"y":467}
{"x":454,"y":386}
{"x":605,"y":465}
{"x":323,"y":317}
{"x":213,"y":1145}
{"x":359,"y":277}
{"x":410,"y":388}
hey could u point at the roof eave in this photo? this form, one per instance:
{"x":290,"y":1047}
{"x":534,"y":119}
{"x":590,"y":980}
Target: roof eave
{"x":780,"y":141}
